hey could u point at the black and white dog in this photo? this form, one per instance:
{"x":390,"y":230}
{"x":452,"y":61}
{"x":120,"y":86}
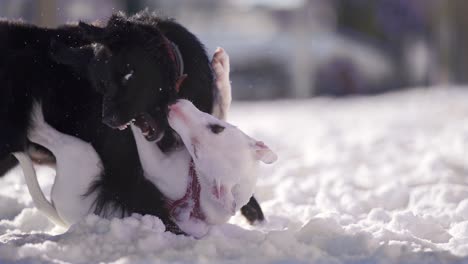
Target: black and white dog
{"x":92,"y":80}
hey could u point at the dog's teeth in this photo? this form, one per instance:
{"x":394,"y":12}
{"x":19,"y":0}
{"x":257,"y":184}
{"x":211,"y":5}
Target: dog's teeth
{"x":123,"y":127}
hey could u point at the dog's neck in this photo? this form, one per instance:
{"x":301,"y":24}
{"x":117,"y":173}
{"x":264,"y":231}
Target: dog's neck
{"x":178,"y":207}
{"x":168,"y":171}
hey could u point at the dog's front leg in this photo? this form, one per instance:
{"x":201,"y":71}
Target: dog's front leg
{"x":222,"y":91}
{"x":149,"y":153}
{"x":157,"y":165}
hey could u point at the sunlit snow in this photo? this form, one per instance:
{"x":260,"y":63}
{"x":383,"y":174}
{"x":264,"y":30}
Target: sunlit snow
{"x":380,"y":179}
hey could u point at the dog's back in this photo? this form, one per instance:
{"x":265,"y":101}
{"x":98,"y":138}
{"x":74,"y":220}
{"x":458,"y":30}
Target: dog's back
{"x":28,"y":73}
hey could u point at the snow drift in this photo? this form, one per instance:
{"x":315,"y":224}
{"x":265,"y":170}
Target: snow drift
{"x":380,"y":179}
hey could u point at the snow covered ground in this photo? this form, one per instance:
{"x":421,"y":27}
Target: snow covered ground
{"x":379,"y":179}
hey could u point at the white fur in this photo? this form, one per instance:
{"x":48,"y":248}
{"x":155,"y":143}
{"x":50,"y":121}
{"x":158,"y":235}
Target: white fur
{"x":78,"y":165}
{"x":169,"y":172}
{"x":40,"y":201}
{"x":221,"y":68}
{"x":226,"y":161}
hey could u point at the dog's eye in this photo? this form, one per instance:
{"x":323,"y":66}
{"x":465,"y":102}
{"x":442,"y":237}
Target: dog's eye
{"x":127,"y":77}
{"x":215,"y":128}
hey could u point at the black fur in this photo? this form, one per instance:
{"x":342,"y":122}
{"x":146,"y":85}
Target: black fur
{"x":252,"y":211}
{"x":29,"y":73}
{"x":7,"y":164}
{"x":76,"y":72}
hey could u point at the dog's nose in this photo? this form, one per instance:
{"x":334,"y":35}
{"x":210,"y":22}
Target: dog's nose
{"x":173,"y":107}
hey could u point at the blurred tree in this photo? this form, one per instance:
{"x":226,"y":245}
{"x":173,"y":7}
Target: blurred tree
{"x":457,"y":37}
{"x":394,"y":26}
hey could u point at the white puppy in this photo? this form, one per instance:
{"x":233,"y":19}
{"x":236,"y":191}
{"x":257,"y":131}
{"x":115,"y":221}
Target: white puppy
{"x":212,"y":176}
{"x":225,"y":162}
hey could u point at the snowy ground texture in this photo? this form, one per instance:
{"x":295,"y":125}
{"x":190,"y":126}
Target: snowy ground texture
{"x":365,"y":180}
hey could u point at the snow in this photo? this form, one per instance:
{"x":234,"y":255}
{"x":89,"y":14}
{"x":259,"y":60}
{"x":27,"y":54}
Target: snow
{"x":380,"y":179}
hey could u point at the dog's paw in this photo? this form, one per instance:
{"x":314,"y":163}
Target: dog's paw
{"x":221,"y":68}
{"x":253,"y":212}
{"x":220,"y":64}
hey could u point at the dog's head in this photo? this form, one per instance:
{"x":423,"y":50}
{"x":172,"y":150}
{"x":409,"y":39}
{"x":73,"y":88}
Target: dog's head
{"x":132,"y":64}
{"x":225,"y":159}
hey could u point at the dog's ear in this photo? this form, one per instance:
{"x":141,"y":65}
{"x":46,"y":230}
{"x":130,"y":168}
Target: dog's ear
{"x":76,"y":57}
{"x":262,"y":152}
{"x":92,"y":33}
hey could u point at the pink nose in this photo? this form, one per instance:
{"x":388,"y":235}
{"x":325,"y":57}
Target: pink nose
{"x":176,"y":112}
{"x":174,"y":108}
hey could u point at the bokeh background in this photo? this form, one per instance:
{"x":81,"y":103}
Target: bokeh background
{"x":303,"y":48}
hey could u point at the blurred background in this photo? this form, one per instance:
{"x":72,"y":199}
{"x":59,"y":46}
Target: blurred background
{"x":303,"y":48}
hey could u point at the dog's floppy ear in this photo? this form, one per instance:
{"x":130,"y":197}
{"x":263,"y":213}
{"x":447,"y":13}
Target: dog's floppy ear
{"x":76,"y":57}
{"x":262,"y":152}
{"x":92,"y":33}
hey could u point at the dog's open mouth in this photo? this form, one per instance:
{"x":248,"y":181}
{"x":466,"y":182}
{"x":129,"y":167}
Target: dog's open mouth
{"x":147,"y":124}
{"x":148,"y":127}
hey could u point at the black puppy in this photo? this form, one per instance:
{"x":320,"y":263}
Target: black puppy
{"x":136,"y":69}
{"x":28,"y":73}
